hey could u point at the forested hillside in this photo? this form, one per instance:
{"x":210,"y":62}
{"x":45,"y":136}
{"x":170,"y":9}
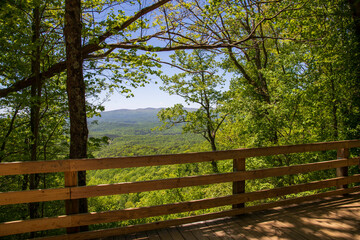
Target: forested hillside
{"x":136,"y":133}
{"x":145,"y":115}
{"x":262,"y":73}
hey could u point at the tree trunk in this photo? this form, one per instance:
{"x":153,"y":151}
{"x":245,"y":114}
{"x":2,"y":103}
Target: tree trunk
{"x":35,"y":108}
{"x":334,"y":106}
{"x":213,"y":148}
{"x":11,"y":128}
{"x":355,"y":8}
{"x":353,"y":116}
{"x":75,"y":87}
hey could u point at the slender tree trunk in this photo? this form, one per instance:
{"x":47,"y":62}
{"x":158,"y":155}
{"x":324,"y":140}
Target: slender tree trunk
{"x":11,"y":128}
{"x":24,"y":187}
{"x":259,"y":84}
{"x":334,"y":111}
{"x":353,"y":116}
{"x":75,"y":87}
{"x":355,"y":8}
{"x":35,"y":109}
{"x":213,"y":148}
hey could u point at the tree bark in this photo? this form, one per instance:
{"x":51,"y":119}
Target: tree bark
{"x":90,"y":48}
{"x":353,"y":116}
{"x":214,"y":149}
{"x":35,"y":109}
{"x":75,"y":87}
{"x":9,"y":131}
{"x":334,"y":106}
{"x":355,"y":8}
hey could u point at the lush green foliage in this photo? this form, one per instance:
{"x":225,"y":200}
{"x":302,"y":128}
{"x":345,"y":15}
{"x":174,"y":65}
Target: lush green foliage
{"x":292,"y":66}
{"x":198,"y":84}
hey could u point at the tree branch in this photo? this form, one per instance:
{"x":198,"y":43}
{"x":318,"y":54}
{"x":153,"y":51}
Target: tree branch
{"x":11,"y":127}
{"x":86,"y":50}
{"x":183,"y":69}
{"x":242,"y":70}
{"x":95,"y":46}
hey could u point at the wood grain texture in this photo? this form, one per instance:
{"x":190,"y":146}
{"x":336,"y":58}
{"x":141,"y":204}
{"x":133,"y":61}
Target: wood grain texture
{"x":71,"y":205}
{"x":175,"y":222}
{"x":239,"y":186}
{"x":157,"y":160}
{"x":39,"y":195}
{"x":142,"y":186}
{"x":72,"y":192}
{"x":342,"y":171}
{"x":16,"y":227}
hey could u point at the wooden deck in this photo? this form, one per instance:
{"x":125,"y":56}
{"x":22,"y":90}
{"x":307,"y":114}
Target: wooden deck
{"x":336,"y":218}
{"x":333,"y":218}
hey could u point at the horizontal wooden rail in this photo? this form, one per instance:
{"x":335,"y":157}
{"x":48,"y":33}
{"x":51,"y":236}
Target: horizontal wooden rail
{"x":203,"y":217}
{"x":71,"y":192}
{"x":42,"y":195}
{"x":16,"y":168}
{"x":17,"y":227}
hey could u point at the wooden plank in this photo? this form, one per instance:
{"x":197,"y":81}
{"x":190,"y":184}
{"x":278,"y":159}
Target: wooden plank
{"x":237,"y":226}
{"x":153,"y":235}
{"x":229,"y":230}
{"x":270,"y":228}
{"x":342,"y":171}
{"x":239,"y":186}
{"x":294,"y":218}
{"x":216,"y":229}
{"x":42,"y":195}
{"x":199,"y":230}
{"x":81,"y":219}
{"x":208,"y":203}
{"x":295,"y":231}
{"x":252,"y":228}
{"x":209,"y":216}
{"x":164,"y":234}
{"x":196,"y":229}
{"x":39,"y":195}
{"x":157,"y":160}
{"x":130,"y":237}
{"x":175,"y":234}
{"x":140,"y":236}
{"x":126,"y":162}
{"x":15,"y":168}
{"x":72,"y":205}
{"x":16,"y":227}
{"x":186,"y":233}
{"x":143,"y":186}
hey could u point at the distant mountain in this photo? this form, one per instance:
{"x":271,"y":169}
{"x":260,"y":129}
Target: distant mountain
{"x":140,"y":115}
{"x":125,"y":122}
{"x":131,"y":116}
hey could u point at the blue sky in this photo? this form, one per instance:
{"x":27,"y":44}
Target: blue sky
{"x":151,"y":95}
{"x":148,"y":96}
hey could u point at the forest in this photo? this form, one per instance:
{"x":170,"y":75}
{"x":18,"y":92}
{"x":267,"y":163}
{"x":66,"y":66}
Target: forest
{"x":262,"y":73}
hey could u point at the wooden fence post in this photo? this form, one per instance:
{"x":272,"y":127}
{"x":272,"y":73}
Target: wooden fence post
{"x":239,"y":186}
{"x":72,"y":205}
{"x":342,"y":171}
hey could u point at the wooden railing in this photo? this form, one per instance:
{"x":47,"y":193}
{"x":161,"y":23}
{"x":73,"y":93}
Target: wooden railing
{"x":71,"y":192}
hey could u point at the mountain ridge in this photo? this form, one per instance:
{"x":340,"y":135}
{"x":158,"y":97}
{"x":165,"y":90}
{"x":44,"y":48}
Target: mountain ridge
{"x":139,"y":115}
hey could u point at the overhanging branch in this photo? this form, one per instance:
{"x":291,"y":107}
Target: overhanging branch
{"x":183,"y":69}
{"x":86,"y":50}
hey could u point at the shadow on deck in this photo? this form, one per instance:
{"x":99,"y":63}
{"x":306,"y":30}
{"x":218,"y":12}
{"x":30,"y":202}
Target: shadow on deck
{"x":331,"y":218}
